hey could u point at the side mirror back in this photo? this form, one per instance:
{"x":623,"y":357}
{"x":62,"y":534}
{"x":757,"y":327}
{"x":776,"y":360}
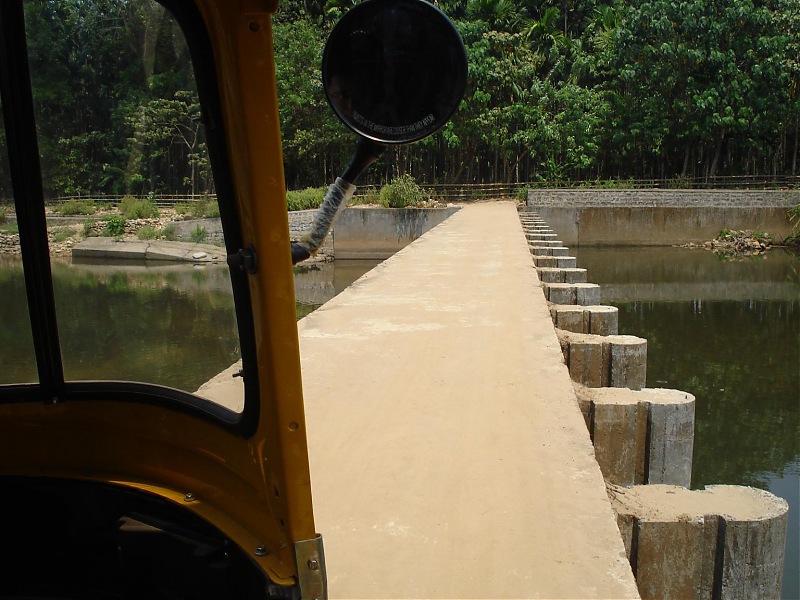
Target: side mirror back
{"x":394,"y":71}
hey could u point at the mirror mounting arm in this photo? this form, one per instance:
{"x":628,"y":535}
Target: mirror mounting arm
{"x":367,"y":152}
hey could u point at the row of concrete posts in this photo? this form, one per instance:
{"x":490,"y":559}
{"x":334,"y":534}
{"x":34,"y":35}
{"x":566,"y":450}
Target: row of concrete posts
{"x":723,"y":542}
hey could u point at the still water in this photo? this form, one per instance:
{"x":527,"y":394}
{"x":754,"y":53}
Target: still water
{"x":727,"y":331}
{"x":316,"y":283}
{"x":168,"y":324}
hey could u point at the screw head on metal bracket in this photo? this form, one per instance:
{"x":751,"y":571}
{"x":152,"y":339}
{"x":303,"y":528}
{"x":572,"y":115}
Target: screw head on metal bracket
{"x":245,"y":259}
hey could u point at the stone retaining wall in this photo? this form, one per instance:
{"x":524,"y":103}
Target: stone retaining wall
{"x":661,"y":217}
{"x":212,"y":227}
{"x":663,"y":198}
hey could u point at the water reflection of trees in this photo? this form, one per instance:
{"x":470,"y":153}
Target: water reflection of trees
{"x":740,"y":360}
{"x":16,"y":341}
{"x":170,"y":328}
{"x":173,"y":327}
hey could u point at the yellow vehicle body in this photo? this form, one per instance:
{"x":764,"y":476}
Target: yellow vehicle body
{"x":254,"y":487}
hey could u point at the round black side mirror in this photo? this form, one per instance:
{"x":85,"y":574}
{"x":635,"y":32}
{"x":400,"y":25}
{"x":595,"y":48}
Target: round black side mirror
{"x":394,"y":71}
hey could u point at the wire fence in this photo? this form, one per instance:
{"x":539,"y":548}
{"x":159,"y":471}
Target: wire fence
{"x":461,"y":192}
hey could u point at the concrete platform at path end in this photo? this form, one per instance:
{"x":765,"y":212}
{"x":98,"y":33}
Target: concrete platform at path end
{"x":449,"y":458}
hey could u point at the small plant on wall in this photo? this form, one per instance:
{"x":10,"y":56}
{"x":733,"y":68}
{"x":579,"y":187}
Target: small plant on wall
{"x":794,"y":219}
{"x":115,"y":226}
{"x":403,"y":191}
{"x":198,"y":235}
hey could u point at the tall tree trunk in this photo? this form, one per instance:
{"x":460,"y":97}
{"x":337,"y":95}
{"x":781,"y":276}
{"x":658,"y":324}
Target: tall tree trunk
{"x":151,"y":22}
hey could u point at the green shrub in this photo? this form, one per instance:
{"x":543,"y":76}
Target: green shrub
{"x":794,"y":218}
{"x":762,"y":237}
{"x":76,"y":207}
{"x":401,"y":192}
{"x":88,"y":228}
{"x":115,"y":226}
{"x":199,"y":209}
{"x":366,"y":195}
{"x":169,"y":232}
{"x":148,"y":232}
{"x":198,"y":235}
{"x":210,"y":209}
{"x":521,"y":193}
{"x":680,"y":182}
{"x":138,"y":208}
{"x":3,"y":215}
{"x":305,"y":199}
{"x":618,"y":184}
{"x":61,"y":233}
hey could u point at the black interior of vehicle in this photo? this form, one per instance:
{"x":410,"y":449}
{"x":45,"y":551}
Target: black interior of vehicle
{"x":79,"y":540}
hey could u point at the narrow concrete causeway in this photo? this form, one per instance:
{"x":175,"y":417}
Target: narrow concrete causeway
{"x":449,"y":456}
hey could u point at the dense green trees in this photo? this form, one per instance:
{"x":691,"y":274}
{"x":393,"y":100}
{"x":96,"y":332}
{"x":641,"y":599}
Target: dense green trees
{"x":114,"y":96}
{"x":586,"y":89}
{"x":704,"y":87}
{"x":558,"y":90}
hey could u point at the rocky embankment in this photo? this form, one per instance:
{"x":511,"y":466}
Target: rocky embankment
{"x":742,"y":242}
{"x":64,"y":233}
{"x":738,"y":243}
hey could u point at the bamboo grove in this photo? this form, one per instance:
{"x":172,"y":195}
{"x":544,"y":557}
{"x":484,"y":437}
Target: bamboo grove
{"x":559,"y":90}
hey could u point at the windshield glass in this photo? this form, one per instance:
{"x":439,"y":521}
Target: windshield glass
{"x":137,"y":250}
{"x":16,"y":342}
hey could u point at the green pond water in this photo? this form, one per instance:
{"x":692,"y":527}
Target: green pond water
{"x":726,"y":331}
{"x":167,"y":324}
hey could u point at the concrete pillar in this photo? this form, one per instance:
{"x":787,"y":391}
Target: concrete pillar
{"x":628,"y":368}
{"x":603,"y":361}
{"x":640,"y":437}
{"x":556,"y":275}
{"x":574,"y":275}
{"x":596,"y":319}
{"x":568,"y":317}
{"x":550,"y":275}
{"x":670,"y":437}
{"x":561,"y":262}
{"x":587,"y":294}
{"x":603,"y":320}
{"x":552,"y":243}
{"x":541,"y":250}
{"x":725,"y":542}
{"x":587,"y":360}
{"x":618,"y":430}
{"x":540,"y":236}
{"x":560,"y":293}
{"x":541,"y":260}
